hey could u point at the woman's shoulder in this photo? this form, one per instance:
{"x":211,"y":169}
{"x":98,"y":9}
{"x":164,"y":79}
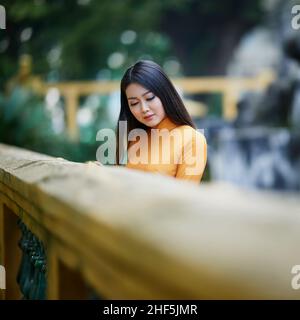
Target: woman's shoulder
{"x":186,"y":127}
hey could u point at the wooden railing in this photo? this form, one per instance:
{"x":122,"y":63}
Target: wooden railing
{"x":85,"y":231}
{"x":229,"y":87}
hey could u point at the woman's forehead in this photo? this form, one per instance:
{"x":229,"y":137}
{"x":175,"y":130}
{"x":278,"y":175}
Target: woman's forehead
{"x":136,"y":90}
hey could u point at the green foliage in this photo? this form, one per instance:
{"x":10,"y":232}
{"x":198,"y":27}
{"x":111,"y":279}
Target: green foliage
{"x":25,"y":122}
{"x":74,"y":39}
{"x":214,"y":102}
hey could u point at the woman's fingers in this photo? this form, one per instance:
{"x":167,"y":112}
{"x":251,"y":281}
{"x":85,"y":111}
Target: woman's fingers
{"x":94,"y":162}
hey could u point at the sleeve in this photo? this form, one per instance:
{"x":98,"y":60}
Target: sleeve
{"x":193,"y":158}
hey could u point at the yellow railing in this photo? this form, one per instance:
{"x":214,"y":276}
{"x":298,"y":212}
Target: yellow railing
{"x":229,"y":87}
{"x":132,"y":235}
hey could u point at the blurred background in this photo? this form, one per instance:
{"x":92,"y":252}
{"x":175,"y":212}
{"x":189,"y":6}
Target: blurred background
{"x":235,"y":63}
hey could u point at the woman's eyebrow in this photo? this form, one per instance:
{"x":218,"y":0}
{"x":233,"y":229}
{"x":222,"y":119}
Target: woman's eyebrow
{"x":142,"y":95}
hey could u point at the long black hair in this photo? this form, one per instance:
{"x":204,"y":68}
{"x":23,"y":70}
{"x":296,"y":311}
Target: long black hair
{"x":152,"y":77}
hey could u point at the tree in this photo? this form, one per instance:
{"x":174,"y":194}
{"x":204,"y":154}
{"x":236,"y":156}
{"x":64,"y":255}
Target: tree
{"x":74,"y":39}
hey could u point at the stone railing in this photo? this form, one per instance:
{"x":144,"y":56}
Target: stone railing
{"x":79,"y":231}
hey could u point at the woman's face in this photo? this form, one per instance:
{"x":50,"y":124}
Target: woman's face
{"x":144,"y":105}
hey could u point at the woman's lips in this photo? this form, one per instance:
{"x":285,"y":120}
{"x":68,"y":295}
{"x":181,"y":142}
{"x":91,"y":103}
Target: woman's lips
{"x":149,"y":117}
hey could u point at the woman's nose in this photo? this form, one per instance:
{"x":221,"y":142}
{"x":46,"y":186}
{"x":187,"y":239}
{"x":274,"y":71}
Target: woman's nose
{"x":144,"y":107}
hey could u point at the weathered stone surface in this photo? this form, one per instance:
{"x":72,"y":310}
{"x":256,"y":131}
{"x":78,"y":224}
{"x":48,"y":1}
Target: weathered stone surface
{"x":138,"y":235}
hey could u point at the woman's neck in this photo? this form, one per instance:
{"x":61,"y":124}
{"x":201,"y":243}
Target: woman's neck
{"x":166,"y":123}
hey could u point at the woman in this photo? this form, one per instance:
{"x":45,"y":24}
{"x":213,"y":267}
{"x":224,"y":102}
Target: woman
{"x":154,"y":112}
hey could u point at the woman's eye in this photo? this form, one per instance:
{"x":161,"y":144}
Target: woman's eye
{"x":133,"y":104}
{"x":151,"y":98}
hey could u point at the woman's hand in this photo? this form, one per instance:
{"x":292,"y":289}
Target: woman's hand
{"x":94,"y":162}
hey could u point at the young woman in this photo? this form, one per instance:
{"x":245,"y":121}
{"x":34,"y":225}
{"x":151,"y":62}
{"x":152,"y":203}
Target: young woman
{"x":161,"y":134}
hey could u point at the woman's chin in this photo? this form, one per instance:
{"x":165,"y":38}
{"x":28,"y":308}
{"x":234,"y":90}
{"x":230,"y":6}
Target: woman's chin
{"x":151,"y":123}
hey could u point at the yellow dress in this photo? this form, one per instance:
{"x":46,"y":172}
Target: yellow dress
{"x":178,"y":151}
